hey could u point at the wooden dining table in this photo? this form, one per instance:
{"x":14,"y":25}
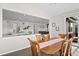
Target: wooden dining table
{"x":52,"y":46}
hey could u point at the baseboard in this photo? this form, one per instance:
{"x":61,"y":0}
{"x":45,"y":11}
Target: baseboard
{"x":13,"y":51}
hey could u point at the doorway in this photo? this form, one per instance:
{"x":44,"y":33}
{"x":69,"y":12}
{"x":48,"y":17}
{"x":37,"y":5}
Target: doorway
{"x":72,"y":27}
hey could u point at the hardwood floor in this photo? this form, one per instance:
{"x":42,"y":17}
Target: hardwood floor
{"x":27,"y":52}
{"x":23,"y":52}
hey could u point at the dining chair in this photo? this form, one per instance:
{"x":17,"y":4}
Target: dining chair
{"x":62,"y":35}
{"x":34,"y":47}
{"x":67,"y":47}
{"x":45,"y":37}
{"x":34,"y":43}
{"x":39,"y":38}
{"x":70,"y":46}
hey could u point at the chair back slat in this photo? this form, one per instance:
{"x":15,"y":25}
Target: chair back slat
{"x":67,"y":47}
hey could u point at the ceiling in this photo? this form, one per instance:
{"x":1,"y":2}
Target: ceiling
{"x":60,"y":8}
{"x":46,"y":10}
{"x":15,"y":16}
{"x":57,"y":8}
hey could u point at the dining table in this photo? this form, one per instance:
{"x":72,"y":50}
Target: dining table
{"x":52,"y":46}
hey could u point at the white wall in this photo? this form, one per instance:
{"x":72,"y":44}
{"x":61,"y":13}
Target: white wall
{"x":60,"y":20}
{"x":26,"y":8}
{"x":0,"y":22}
{"x":11,"y":44}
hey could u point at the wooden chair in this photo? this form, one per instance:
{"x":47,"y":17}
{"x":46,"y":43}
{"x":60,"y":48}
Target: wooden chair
{"x":67,"y":46}
{"x":35,"y":44}
{"x":62,"y":35}
{"x":39,"y":38}
{"x":45,"y":37}
{"x":34,"y":47}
